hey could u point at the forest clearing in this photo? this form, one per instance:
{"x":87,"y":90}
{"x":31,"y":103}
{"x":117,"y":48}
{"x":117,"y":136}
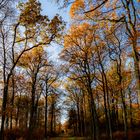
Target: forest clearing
{"x":69,"y":69}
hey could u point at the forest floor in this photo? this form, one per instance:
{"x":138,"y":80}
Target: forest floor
{"x":132,"y":135}
{"x":68,"y":138}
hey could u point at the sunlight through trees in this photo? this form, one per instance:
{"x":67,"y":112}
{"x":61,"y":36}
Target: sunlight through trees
{"x":95,"y":82}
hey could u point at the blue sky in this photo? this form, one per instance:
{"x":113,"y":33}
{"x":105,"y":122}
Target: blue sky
{"x":50,"y":8}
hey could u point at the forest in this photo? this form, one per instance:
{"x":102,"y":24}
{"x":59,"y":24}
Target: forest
{"x":92,"y":90}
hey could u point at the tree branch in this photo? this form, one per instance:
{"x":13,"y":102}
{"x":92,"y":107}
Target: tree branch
{"x":96,"y":7}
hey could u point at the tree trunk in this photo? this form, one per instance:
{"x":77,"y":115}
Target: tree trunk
{"x":4,"y":103}
{"x":78,"y":120}
{"x":95,"y":129}
{"x":131,"y":114}
{"x":12,"y":100}
{"x":52,"y":115}
{"x":46,"y":114}
{"x":108,"y":108}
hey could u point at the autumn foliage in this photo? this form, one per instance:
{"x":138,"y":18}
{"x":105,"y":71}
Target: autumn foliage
{"x":95,"y":83}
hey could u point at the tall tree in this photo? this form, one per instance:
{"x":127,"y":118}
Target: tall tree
{"x":37,"y":30}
